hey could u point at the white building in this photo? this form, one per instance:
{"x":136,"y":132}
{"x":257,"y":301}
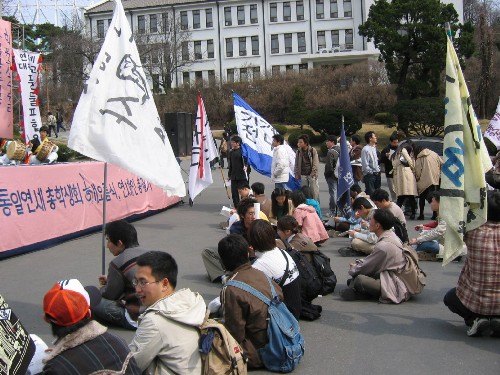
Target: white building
{"x":240,"y":39}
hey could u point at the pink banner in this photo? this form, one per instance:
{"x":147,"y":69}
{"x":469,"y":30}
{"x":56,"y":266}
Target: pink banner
{"x":6,"y":126}
{"x":65,"y":199}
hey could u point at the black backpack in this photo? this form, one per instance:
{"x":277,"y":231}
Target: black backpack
{"x":310,"y":282}
{"x":400,"y":230}
{"x":322,"y":265}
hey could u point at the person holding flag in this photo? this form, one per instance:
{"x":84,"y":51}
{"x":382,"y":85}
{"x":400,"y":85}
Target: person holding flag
{"x":346,"y":179}
{"x":238,"y":168}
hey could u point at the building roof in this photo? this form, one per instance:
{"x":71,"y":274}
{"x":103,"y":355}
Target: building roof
{"x":108,"y":6}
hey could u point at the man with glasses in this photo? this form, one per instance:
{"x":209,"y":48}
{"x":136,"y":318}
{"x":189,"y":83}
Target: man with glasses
{"x":119,"y":305}
{"x":166,"y":340}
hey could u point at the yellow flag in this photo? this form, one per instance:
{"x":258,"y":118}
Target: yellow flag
{"x":466,"y":160}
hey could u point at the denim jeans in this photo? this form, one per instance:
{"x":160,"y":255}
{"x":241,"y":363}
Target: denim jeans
{"x":111,"y":312}
{"x":429,"y":247}
{"x":332,"y":190}
{"x":372,"y":182}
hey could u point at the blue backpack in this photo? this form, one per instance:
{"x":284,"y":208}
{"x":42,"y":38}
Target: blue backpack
{"x":285,"y":346}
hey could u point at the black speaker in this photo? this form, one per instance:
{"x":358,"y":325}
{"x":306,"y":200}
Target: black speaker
{"x":179,"y":128}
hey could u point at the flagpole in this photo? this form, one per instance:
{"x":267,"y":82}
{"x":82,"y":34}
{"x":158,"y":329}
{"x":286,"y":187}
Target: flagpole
{"x":104,"y":205}
{"x":224,"y":181}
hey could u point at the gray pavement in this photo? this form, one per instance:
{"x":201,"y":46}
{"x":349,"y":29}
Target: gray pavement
{"x":417,"y":337}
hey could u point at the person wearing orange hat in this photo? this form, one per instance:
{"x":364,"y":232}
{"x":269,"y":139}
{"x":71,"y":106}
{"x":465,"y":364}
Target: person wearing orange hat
{"x":83,"y":346}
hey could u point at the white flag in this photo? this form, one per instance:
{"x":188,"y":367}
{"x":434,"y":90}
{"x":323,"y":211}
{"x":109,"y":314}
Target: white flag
{"x":116,"y":119}
{"x":203,"y":152}
{"x":493,"y":130}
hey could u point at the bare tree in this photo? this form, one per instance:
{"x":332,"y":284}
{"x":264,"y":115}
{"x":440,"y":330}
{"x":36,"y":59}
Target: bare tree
{"x":163,"y":54}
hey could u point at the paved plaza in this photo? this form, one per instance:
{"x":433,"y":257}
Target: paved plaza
{"x":416,"y":337}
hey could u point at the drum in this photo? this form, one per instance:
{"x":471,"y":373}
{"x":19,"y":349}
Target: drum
{"x":45,"y":150}
{"x":16,"y":150}
{"x":3,"y":145}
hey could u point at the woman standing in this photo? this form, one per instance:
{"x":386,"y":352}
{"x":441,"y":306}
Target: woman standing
{"x":405,"y":184}
{"x":427,"y":174}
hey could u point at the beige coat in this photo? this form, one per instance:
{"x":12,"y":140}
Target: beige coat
{"x":427,"y":169}
{"x":404,"y":179}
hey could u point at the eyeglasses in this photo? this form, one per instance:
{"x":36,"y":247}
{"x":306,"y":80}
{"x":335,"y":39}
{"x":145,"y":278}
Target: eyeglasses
{"x":142,"y":283}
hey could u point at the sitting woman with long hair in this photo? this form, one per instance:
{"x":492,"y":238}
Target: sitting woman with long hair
{"x":275,"y":263}
{"x":281,"y":205}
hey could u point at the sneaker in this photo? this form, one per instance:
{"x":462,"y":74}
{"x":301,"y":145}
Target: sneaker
{"x":479,"y":326}
{"x":495,"y":327}
{"x":349,"y":294}
{"x":223,"y":225}
{"x":333,"y":233}
{"x":420,"y":217}
{"x":348,"y":252}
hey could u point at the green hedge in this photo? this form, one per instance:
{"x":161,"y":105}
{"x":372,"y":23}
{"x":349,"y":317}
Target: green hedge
{"x":385,"y":118}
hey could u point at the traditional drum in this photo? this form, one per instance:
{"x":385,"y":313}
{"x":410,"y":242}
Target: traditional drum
{"x":45,"y":150}
{"x":16,"y":150}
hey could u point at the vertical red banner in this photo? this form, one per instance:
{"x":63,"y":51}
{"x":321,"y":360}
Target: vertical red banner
{"x":6,"y":107}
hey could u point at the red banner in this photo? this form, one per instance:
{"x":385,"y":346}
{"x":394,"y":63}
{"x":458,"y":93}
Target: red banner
{"x":6,"y":111}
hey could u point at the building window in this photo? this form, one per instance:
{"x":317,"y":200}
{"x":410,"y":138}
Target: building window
{"x":275,"y":70}
{"x":299,"y":5}
{"x":210,"y":48}
{"x":197,"y":50}
{"x":241,"y":15}
{"x":196,"y":19}
{"x":255,"y":45}
{"x":211,"y":77}
{"x":208,"y":18}
{"x":164,"y":22}
{"x":334,"y":9}
{"x":275,"y":45}
{"x":254,"y":18}
{"x":230,"y":75}
{"x":243,"y":46}
{"x":320,"y":9}
{"x":227,"y":16}
{"x":288,"y":43}
{"x":289,"y":68}
{"x":156,"y":82}
{"x":347,"y":8}
{"x":321,"y":40}
{"x":185,"y":51}
{"x":229,"y":47}
{"x":141,"y":24}
{"x":287,"y":11}
{"x":184,"y":20}
{"x":198,"y":77}
{"x":273,"y":12}
{"x":243,"y":74}
{"x":100,"y":29}
{"x":153,"y":23}
{"x":301,"y":42}
{"x":349,"y":39}
{"x":335,"y":38}
{"x":109,"y":21}
{"x":302,"y":67}
{"x":154,"y":58}
{"x":185,"y":78}
{"x":256,"y":72}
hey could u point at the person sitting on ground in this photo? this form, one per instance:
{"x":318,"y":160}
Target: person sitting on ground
{"x":309,"y":222}
{"x":281,"y":205}
{"x":342,"y":224}
{"x":430,"y":243}
{"x":244,"y":191}
{"x":310,"y":200}
{"x":275,"y":263}
{"x":289,"y":233}
{"x":166,"y":340}
{"x":83,"y":346}
{"x":477,"y":296}
{"x":363,"y":240}
{"x":36,"y":147}
{"x":376,"y":276}
{"x":245,"y":316}
{"x":246,"y":215}
{"x":265,"y":203}
{"x":381,"y":199}
{"x":119,"y":305}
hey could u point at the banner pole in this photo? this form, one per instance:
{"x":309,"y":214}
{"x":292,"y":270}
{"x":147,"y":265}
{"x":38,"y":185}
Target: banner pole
{"x":104,"y":204}
{"x":224,"y":181}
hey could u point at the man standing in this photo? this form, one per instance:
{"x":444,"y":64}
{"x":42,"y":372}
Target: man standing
{"x":355,"y":157}
{"x":166,"y":340}
{"x":369,"y":163}
{"x":477,"y":297}
{"x":332,"y":179}
{"x":307,"y":165}
{"x":238,"y":168}
{"x":245,"y":316}
{"x":280,"y":167}
{"x":119,"y":305}
{"x":83,"y":346}
{"x":385,"y":158}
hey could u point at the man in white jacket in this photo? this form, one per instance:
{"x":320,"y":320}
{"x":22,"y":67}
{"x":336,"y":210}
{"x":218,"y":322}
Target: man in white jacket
{"x":280,"y":167}
{"x":166,"y":340}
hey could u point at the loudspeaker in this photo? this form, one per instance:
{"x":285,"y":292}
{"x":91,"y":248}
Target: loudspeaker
{"x":179,"y":128}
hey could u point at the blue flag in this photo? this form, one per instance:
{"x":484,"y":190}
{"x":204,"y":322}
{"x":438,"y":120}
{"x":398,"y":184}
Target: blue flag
{"x":345,"y":177}
{"x":257,"y":135}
